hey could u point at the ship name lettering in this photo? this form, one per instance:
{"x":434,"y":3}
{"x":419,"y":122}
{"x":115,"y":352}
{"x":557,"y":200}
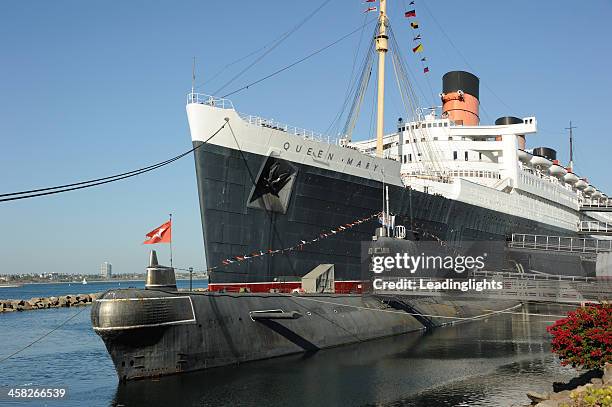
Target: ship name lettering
{"x":286,"y":146}
{"x":330,"y":156}
{"x":349,"y":161}
{"x":358,"y":164}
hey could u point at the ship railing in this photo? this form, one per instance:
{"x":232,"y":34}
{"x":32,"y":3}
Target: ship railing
{"x":524,"y":287}
{"x":595,"y":226}
{"x":530,"y":276}
{"x":204,"y":99}
{"x":602,"y":203}
{"x":293,"y":130}
{"x":560,"y":243}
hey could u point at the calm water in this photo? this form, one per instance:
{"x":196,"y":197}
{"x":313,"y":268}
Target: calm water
{"x":28,"y":291}
{"x":486,"y":363}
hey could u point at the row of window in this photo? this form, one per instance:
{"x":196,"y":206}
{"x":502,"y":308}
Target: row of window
{"x":480,"y":174}
{"x":423,"y":125}
{"x":408,"y":157}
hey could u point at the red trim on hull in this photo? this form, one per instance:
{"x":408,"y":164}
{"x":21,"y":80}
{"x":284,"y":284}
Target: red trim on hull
{"x":341,"y":287}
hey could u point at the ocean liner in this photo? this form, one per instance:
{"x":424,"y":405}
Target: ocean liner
{"x":285,"y":211}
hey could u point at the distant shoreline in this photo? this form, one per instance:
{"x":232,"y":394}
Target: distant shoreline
{"x":17,"y":285}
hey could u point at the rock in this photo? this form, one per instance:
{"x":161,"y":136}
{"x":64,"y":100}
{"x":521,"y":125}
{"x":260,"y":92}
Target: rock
{"x":607,"y":376}
{"x":596,"y":381}
{"x":63,"y":302}
{"x":537,"y":397}
{"x":561,"y":395}
{"x":549,"y":403}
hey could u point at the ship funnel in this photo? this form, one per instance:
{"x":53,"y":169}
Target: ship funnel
{"x":460,"y":93}
{"x":159,"y":277}
{"x":505,"y":120}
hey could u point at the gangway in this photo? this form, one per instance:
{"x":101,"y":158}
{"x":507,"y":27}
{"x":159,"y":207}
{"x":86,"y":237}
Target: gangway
{"x":560,"y":243}
{"x":593,"y":227}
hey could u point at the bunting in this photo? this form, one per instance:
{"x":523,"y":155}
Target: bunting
{"x":415,"y":26}
{"x":298,"y":246}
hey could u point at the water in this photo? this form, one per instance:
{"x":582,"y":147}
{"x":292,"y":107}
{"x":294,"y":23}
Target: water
{"x":28,"y":291}
{"x":487,"y":363}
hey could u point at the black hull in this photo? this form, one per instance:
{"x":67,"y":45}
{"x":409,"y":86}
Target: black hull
{"x":319,"y":200}
{"x":155,"y":336}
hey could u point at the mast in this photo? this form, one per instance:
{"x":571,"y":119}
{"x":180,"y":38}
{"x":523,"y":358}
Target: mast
{"x":571,"y":140}
{"x":381,"y":48}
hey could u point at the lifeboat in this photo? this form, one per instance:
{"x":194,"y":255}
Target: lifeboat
{"x":570,"y":177}
{"x":589,"y":189}
{"x":581,"y":184}
{"x":597,"y":194}
{"x":539,"y":161}
{"x":524,"y":156}
{"x":556,"y":170}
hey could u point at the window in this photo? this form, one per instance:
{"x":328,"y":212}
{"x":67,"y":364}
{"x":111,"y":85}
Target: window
{"x":454,"y":155}
{"x":422,"y":138}
{"x":435,"y":138}
{"x":407,"y":141}
{"x":466,"y":156}
{"x":450,"y":137}
{"x":480,"y":156}
{"x":409,"y":157}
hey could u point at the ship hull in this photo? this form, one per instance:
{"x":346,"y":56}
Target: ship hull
{"x":157,"y":335}
{"x":319,"y":200}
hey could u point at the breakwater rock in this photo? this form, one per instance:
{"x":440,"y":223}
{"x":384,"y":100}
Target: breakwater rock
{"x":599,"y":389}
{"x":48,"y":302}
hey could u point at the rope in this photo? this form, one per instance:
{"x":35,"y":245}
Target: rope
{"x":298,"y":61}
{"x":43,"y":336}
{"x":275,"y":45}
{"x":404,"y":312}
{"x":99,"y":181}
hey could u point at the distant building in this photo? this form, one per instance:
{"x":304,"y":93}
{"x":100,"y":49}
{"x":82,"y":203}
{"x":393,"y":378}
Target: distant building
{"x":106,"y":270}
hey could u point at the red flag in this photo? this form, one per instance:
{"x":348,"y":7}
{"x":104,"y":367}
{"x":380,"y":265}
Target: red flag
{"x":162,"y":234}
{"x":426,"y":69}
{"x":369,"y":9}
{"x":411,"y":13}
{"x":370,"y":1}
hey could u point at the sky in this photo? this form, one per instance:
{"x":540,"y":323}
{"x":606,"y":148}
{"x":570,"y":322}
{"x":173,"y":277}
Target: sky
{"x":89,"y":89}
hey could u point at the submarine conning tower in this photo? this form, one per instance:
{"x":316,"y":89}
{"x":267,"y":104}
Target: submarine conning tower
{"x":460,"y":97}
{"x":159,"y":277}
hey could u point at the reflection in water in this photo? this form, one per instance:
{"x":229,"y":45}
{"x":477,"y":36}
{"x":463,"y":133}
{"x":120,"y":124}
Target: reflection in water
{"x":487,"y":363}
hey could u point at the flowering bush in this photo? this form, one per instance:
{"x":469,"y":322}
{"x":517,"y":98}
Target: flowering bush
{"x":592,"y":397}
{"x":584,"y":338}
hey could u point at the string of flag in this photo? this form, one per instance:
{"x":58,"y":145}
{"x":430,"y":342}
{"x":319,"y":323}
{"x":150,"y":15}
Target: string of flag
{"x":414,"y":24}
{"x":418,"y":38}
{"x":298,"y":246}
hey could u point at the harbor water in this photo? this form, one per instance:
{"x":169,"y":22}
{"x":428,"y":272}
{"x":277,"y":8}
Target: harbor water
{"x":27,"y":291}
{"x":492,"y":362}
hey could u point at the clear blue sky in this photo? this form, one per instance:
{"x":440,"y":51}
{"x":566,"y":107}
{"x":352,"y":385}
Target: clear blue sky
{"x":89,"y":89}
